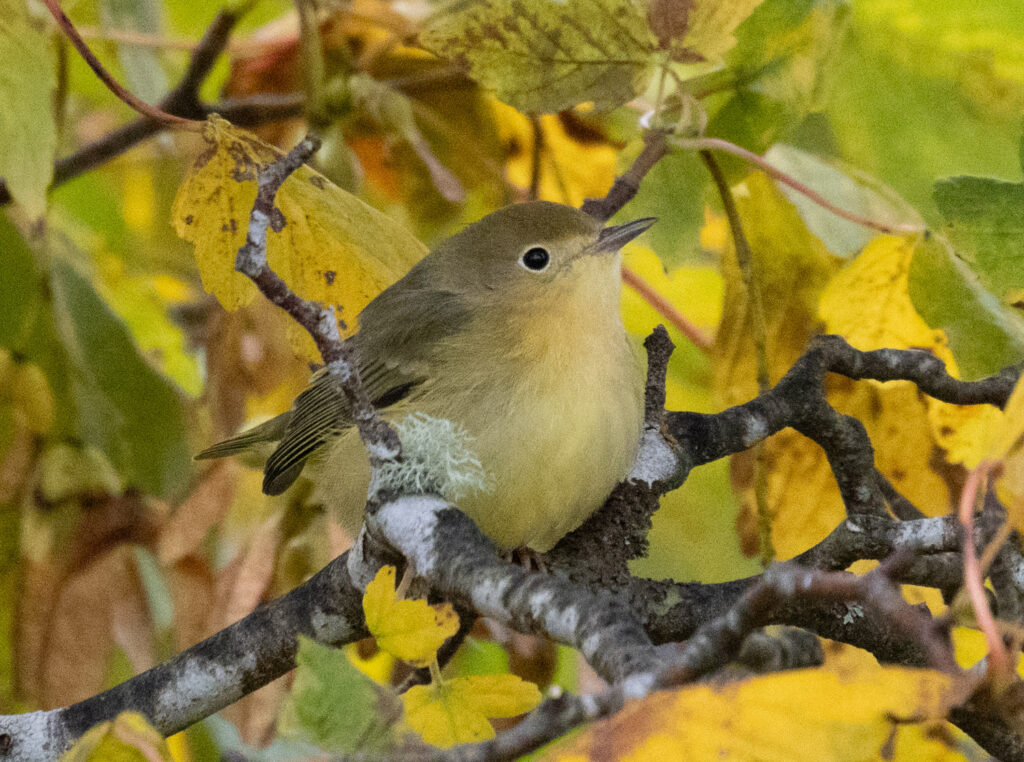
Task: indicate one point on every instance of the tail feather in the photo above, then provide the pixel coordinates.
(270, 431)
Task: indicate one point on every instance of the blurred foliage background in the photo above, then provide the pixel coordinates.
(117, 551)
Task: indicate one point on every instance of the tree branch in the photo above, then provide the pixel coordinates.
(182, 101)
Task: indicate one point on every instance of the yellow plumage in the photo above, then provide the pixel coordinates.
(533, 362)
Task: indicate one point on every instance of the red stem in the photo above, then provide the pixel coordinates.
(666, 310)
(999, 660)
(777, 174)
(112, 84)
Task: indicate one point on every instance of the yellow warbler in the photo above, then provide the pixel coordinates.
(511, 329)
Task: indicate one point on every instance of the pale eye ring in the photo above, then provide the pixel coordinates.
(535, 259)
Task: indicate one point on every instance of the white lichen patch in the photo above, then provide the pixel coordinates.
(38, 735)
(201, 687)
(437, 458)
(656, 461)
(754, 431)
(410, 523)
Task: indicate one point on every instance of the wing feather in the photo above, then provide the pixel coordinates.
(392, 354)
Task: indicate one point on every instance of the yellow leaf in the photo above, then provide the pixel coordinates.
(458, 710)
(791, 267)
(869, 304)
(571, 169)
(333, 248)
(128, 738)
(1006, 436)
(792, 716)
(409, 630)
(693, 289)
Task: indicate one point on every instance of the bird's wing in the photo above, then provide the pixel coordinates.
(393, 357)
(270, 431)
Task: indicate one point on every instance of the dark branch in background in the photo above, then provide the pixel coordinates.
(153, 113)
(626, 186)
(182, 101)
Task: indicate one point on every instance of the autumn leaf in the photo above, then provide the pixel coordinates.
(541, 56)
(791, 267)
(457, 710)
(333, 247)
(791, 716)
(28, 133)
(128, 738)
(697, 29)
(410, 630)
(576, 161)
(869, 304)
(334, 705)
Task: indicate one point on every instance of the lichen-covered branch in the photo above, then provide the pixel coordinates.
(320, 321)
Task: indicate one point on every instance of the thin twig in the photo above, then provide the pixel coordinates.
(625, 187)
(718, 144)
(320, 321)
(745, 260)
(536, 155)
(107, 78)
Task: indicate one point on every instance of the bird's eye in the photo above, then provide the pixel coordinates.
(535, 259)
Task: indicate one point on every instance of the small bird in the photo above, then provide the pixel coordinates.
(510, 329)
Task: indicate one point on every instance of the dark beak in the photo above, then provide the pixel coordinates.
(613, 238)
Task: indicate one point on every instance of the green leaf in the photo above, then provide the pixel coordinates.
(782, 66)
(983, 334)
(849, 190)
(673, 191)
(26, 323)
(542, 56)
(28, 134)
(143, 73)
(125, 408)
(21, 288)
(945, 106)
(335, 706)
(986, 225)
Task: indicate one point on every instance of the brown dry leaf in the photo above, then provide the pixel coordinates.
(100, 607)
(204, 508)
(791, 716)
(242, 584)
(333, 248)
(239, 589)
(255, 715)
(66, 552)
(191, 583)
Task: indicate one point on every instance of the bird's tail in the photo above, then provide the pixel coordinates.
(270, 431)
